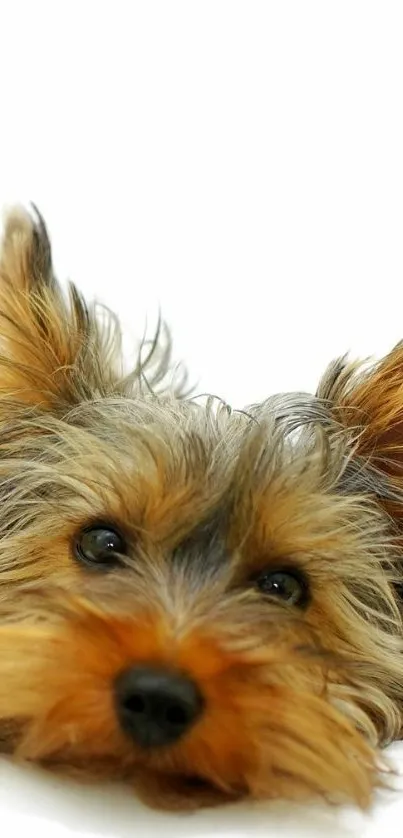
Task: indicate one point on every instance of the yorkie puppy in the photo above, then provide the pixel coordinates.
(200, 601)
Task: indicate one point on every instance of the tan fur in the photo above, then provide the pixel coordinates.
(297, 701)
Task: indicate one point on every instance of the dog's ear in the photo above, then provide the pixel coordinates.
(368, 400)
(55, 350)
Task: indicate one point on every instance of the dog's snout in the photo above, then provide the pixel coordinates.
(156, 706)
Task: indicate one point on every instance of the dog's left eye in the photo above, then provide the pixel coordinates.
(99, 546)
(289, 586)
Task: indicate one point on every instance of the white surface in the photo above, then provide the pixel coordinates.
(41, 805)
(241, 164)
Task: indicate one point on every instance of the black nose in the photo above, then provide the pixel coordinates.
(155, 706)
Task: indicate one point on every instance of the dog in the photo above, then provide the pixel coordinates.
(202, 602)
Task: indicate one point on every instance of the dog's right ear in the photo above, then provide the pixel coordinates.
(55, 351)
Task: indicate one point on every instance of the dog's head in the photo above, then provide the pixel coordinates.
(199, 600)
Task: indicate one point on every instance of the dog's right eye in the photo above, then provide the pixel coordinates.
(99, 545)
(290, 586)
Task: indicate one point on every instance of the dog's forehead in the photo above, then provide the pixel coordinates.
(182, 459)
(190, 441)
(280, 416)
(164, 443)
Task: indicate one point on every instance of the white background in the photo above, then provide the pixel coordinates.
(240, 164)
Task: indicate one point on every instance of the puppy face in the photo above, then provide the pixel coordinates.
(200, 601)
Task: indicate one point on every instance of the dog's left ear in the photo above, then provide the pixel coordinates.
(55, 351)
(368, 400)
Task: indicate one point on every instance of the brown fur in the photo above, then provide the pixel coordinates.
(298, 701)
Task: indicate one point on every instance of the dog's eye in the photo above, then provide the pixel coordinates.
(289, 586)
(99, 546)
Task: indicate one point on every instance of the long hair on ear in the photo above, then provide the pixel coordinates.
(367, 400)
(55, 350)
